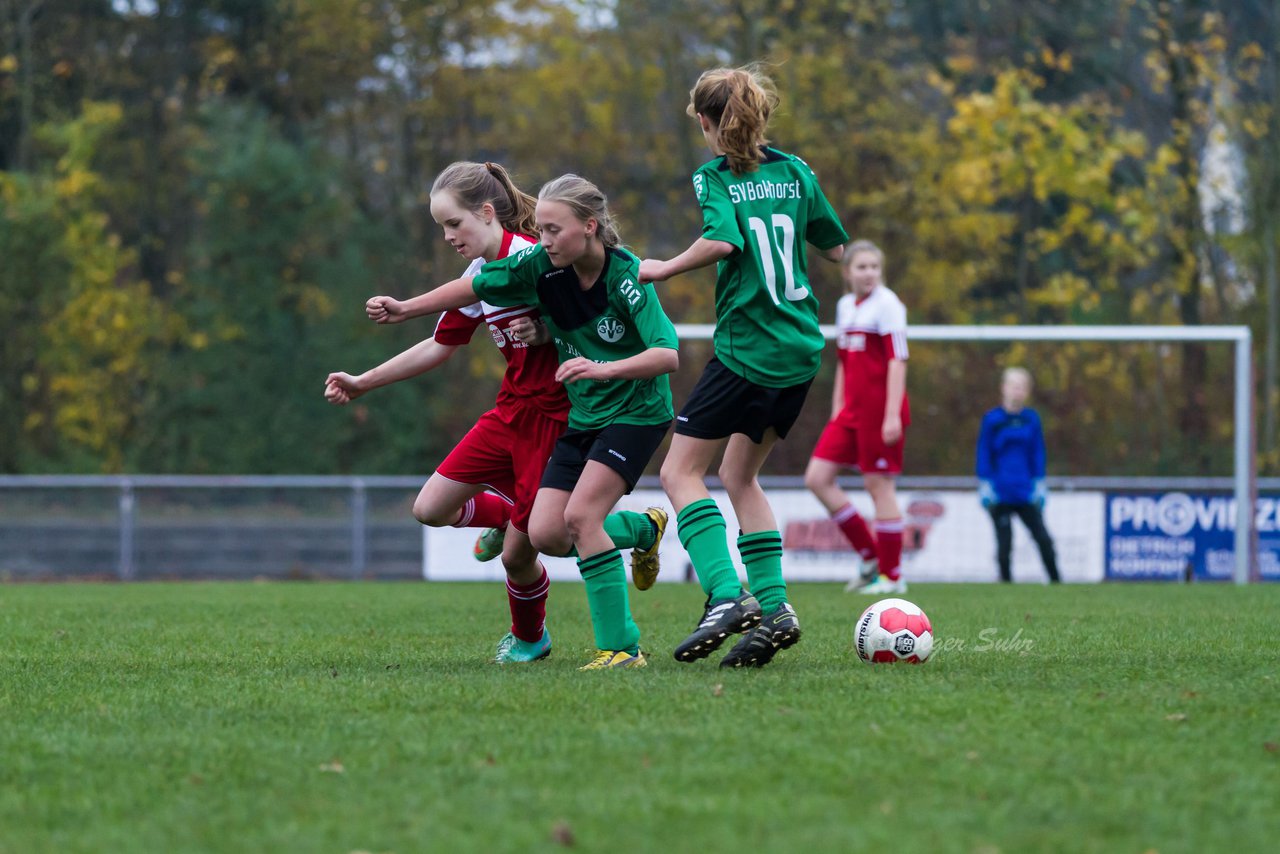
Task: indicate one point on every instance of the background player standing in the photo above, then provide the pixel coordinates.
(1011, 464)
(759, 208)
(869, 417)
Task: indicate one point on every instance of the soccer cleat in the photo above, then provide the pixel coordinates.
(607, 658)
(718, 620)
(644, 562)
(884, 586)
(778, 630)
(489, 544)
(869, 572)
(511, 649)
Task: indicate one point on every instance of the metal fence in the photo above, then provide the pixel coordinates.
(189, 527)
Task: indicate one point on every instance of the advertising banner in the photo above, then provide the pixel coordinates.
(949, 537)
(1173, 536)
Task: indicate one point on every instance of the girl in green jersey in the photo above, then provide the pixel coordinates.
(616, 347)
(759, 207)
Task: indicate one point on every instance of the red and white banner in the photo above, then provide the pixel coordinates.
(949, 537)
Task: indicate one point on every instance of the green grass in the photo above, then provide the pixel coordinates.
(346, 717)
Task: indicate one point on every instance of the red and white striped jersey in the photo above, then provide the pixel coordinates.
(870, 333)
(530, 379)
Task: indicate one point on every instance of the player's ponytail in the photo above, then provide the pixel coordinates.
(739, 102)
(476, 184)
(587, 202)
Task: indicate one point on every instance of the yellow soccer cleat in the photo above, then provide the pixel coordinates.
(607, 658)
(644, 562)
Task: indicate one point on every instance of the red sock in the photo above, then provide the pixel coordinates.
(855, 531)
(528, 607)
(485, 510)
(889, 547)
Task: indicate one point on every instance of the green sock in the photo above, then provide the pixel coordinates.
(607, 599)
(762, 554)
(703, 535)
(629, 530)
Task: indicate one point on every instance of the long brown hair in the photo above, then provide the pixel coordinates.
(475, 184)
(738, 101)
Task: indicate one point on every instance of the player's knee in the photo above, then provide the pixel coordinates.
(432, 515)
(736, 481)
(817, 477)
(548, 540)
(578, 522)
(672, 476)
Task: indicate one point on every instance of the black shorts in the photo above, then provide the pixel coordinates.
(625, 448)
(723, 403)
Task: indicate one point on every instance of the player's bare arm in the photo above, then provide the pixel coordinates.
(702, 253)
(891, 429)
(651, 363)
(455, 294)
(834, 254)
(342, 388)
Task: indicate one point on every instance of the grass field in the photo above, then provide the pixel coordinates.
(365, 717)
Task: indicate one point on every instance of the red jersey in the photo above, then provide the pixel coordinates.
(870, 332)
(530, 379)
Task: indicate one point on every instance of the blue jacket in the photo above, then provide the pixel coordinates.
(1011, 453)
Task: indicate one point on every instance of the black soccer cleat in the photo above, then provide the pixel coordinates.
(779, 630)
(718, 621)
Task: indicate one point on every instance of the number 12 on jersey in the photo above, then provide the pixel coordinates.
(782, 239)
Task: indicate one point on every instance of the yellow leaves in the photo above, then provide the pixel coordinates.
(8, 64)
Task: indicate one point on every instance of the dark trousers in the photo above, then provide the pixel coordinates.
(1002, 515)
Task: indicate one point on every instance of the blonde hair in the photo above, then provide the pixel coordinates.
(861, 246)
(738, 101)
(587, 202)
(1018, 373)
(476, 184)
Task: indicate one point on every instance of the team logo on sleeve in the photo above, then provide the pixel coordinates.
(498, 337)
(700, 187)
(631, 292)
(610, 329)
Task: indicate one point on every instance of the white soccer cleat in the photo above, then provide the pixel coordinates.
(884, 586)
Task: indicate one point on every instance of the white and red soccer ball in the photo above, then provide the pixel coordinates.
(893, 630)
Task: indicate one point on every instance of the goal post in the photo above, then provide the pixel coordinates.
(1243, 474)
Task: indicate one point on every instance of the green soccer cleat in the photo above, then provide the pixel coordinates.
(489, 544)
(511, 649)
(644, 562)
(607, 658)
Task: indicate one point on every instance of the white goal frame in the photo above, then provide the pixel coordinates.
(1244, 473)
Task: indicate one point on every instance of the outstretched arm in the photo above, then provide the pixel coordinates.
(455, 294)
(700, 254)
(341, 388)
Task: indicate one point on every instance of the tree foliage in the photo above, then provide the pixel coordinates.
(196, 198)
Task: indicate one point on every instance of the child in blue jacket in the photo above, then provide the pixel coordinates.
(1011, 471)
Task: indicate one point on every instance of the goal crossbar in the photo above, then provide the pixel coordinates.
(1240, 336)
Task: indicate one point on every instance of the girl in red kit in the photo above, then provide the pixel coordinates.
(869, 417)
(486, 218)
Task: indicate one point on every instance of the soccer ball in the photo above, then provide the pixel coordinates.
(893, 630)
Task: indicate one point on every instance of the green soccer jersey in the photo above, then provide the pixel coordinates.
(612, 320)
(766, 313)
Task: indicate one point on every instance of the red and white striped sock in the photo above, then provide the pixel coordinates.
(889, 547)
(855, 530)
(529, 607)
(485, 510)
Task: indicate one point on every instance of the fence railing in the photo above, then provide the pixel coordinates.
(148, 527)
